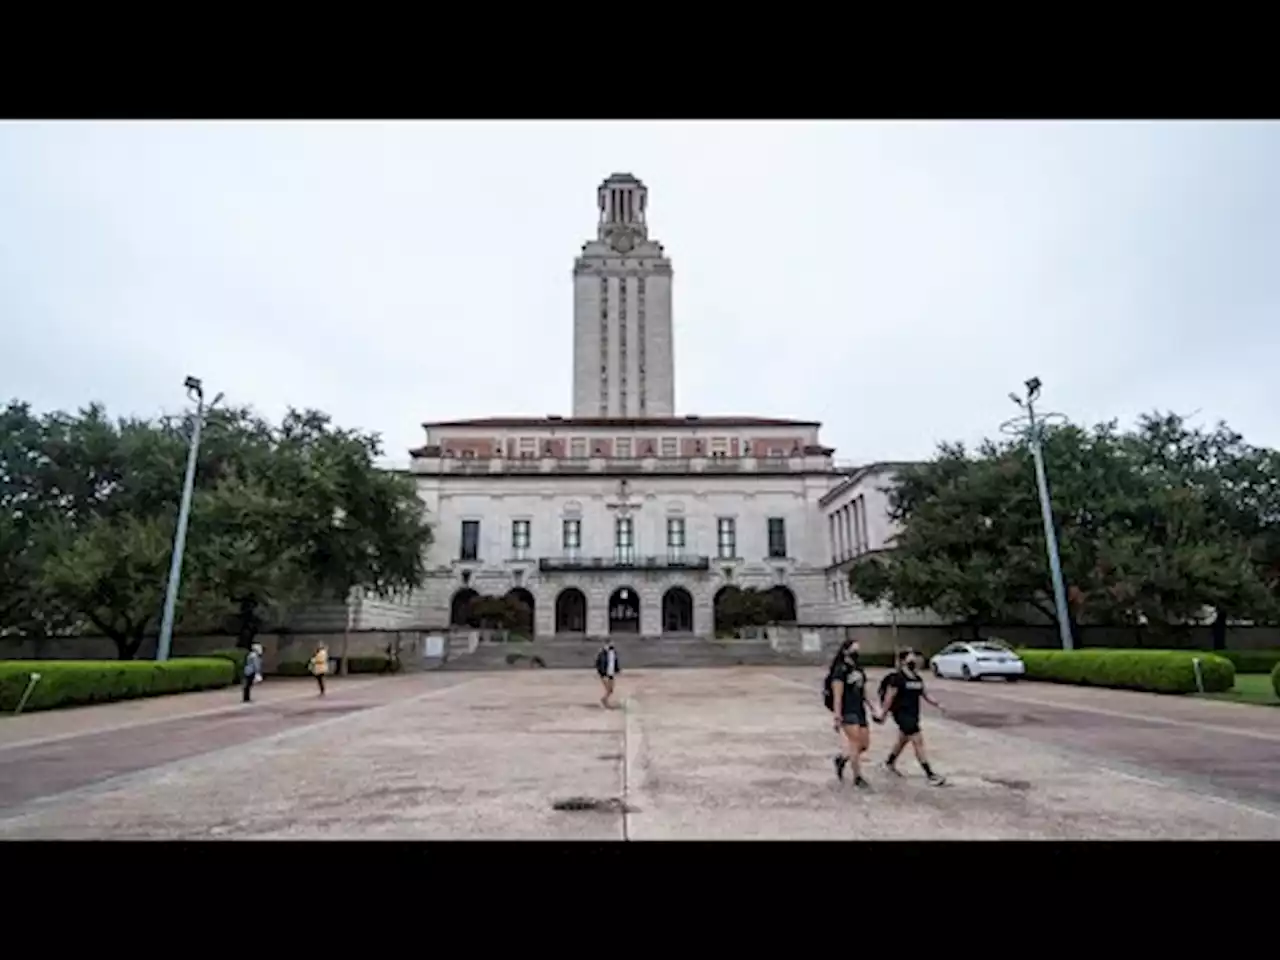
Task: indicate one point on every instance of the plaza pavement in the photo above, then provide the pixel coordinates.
(731, 753)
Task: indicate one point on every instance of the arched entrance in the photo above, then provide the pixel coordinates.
(677, 611)
(571, 611)
(783, 603)
(525, 599)
(624, 611)
(459, 614)
(724, 612)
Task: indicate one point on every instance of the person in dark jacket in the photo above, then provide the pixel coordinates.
(607, 668)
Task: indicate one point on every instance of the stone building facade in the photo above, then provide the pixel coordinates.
(626, 517)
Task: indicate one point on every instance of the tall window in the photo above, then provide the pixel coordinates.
(675, 537)
(670, 447)
(571, 537)
(470, 539)
(777, 537)
(519, 539)
(578, 448)
(719, 446)
(726, 538)
(622, 448)
(624, 545)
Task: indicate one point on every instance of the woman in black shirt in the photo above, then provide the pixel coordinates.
(901, 694)
(849, 709)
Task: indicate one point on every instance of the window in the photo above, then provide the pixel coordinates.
(670, 447)
(571, 536)
(719, 446)
(578, 448)
(777, 537)
(675, 536)
(624, 539)
(726, 538)
(622, 448)
(528, 447)
(520, 539)
(470, 539)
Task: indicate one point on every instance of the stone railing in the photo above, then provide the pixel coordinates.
(484, 466)
(571, 564)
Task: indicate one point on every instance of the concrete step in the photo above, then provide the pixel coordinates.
(632, 653)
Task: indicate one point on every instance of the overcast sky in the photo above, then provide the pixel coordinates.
(893, 280)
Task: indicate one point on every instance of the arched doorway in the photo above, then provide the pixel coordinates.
(784, 604)
(624, 611)
(723, 615)
(571, 611)
(523, 597)
(459, 613)
(677, 611)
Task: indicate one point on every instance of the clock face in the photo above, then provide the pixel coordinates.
(623, 242)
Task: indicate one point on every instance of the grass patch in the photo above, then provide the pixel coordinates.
(1252, 688)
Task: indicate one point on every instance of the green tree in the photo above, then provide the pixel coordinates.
(1137, 539)
(737, 608)
(113, 572)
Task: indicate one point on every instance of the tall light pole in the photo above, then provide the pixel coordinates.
(1032, 428)
(195, 390)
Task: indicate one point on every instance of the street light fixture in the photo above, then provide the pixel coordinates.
(195, 390)
(1032, 428)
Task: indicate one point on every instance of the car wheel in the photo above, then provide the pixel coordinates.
(1012, 678)
(966, 672)
(936, 671)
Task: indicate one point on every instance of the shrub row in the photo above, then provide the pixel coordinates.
(65, 683)
(1155, 671)
(237, 655)
(1252, 661)
(1275, 679)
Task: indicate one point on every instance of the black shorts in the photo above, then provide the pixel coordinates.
(858, 719)
(908, 725)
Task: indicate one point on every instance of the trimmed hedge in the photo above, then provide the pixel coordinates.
(1155, 671)
(1275, 679)
(237, 655)
(1252, 661)
(66, 683)
(380, 664)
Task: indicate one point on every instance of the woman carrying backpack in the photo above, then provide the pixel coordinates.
(847, 683)
(320, 664)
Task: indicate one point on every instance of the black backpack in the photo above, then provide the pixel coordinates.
(828, 695)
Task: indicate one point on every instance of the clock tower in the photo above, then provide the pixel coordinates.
(623, 363)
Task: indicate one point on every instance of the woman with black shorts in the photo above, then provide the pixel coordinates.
(902, 691)
(849, 709)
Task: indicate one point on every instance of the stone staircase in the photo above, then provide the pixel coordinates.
(634, 653)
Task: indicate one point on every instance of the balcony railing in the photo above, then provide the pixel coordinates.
(624, 562)
(796, 463)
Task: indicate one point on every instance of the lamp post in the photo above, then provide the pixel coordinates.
(195, 390)
(1032, 427)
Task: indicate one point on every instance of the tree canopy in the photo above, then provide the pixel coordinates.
(280, 514)
(1154, 525)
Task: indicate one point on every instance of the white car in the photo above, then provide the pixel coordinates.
(973, 661)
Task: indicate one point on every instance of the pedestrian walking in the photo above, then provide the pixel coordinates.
(903, 689)
(319, 664)
(607, 668)
(252, 670)
(846, 697)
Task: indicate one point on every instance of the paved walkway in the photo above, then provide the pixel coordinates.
(697, 754)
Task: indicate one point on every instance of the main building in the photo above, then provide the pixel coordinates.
(626, 517)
